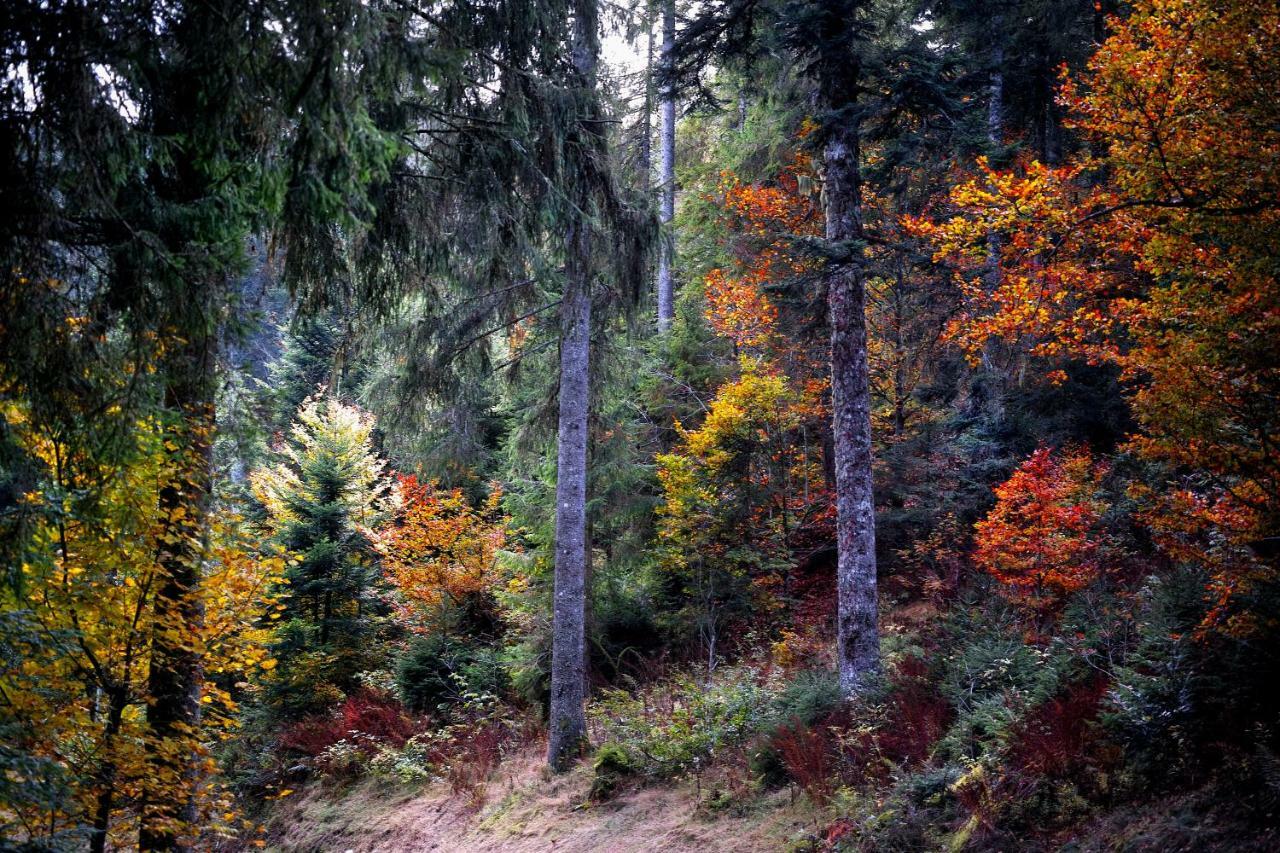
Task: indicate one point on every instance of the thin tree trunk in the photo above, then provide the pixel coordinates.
(857, 641)
(567, 723)
(106, 795)
(995, 87)
(646, 140)
(588, 600)
(667, 167)
(176, 672)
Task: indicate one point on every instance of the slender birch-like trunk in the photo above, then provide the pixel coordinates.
(667, 169)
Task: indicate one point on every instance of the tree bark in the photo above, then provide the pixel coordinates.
(646, 139)
(995, 87)
(567, 725)
(667, 169)
(567, 720)
(175, 676)
(106, 794)
(857, 640)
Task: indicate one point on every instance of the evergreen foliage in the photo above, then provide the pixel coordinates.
(322, 490)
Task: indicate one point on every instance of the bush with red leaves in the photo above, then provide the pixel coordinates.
(1053, 740)
(478, 751)
(809, 756)
(917, 714)
(379, 718)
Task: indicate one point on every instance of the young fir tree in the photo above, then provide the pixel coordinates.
(325, 485)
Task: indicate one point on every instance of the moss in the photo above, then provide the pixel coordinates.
(612, 764)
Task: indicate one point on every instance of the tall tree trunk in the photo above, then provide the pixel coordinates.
(858, 639)
(995, 86)
(175, 676)
(667, 167)
(646, 125)
(567, 725)
(567, 721)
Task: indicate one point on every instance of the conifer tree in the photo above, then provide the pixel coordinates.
(324, 487)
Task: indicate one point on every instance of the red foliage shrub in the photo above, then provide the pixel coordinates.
(379, 718)
(477, 754)
(837, 832)
(808, 754)
(1054, 738)
(917, 714)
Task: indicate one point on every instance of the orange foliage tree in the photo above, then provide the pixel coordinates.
(1043, 539)
(440, 551)
(763, 221)
(1157, 251)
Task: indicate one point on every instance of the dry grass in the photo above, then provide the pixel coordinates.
(528, 811)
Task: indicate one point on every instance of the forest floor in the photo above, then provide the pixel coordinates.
(521, 808)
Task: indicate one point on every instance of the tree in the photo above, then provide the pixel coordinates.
(567, 720)
(832, 42)
(1043, 539)
(1156, 252)
(735, 492)
(324, 486)
(441, 553)
(149, 145)
(667, 165)
(84, 619)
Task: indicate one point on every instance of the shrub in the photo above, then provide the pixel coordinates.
(1053, 738)
(438, 672)
(408, 764)
(810, 696)
(917, 714)
(989, 677)
(612, 764)
(674, 728)
(379, 719)
(1151, 706)
(477, 750)
(809, 756)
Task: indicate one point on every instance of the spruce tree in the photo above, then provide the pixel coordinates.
(323, 486)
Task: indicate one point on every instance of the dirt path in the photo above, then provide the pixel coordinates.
(525, 811)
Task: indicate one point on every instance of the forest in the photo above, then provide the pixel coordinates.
(629, 425)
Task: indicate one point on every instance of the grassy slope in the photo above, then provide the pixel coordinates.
(523, 810)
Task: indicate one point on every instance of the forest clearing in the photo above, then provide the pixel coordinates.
(681, 425)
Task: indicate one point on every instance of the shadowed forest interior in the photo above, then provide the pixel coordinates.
(683, 425)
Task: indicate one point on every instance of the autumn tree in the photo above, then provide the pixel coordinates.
(440, 552)
(1044, 538)
(736, 490)
(84, 616)
(853, 58)
(1155, 253)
